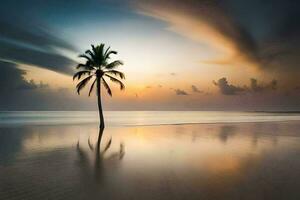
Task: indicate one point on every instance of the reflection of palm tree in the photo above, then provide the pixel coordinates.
(227, 132)
(100, 159)
(97, 67)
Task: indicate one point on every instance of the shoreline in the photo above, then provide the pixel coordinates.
(8, 125)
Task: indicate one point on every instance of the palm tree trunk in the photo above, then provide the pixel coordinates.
(101, 127)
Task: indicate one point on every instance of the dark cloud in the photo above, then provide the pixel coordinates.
(12, 78)
(180, 92)
(33, 85)
(28, 42)
(195, 89)
(13, 85)
(48, 60)
(19, 94)
(226, 88)
(254, 86)
(32, 34)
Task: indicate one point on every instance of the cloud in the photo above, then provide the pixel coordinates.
(51, 61)
(33, 34)
(195, 89)
(32, 85)
(28, 43)
(207, 23)
(255, 87)
(12, 78)
(180, 92)
(268, 40)
(226, 88)
(19, 94)
(229, 89)
(173, 74)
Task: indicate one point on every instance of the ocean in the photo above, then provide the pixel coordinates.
(137, 118)
(151, 155)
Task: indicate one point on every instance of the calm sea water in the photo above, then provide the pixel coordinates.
(52, 155)
(131, 118)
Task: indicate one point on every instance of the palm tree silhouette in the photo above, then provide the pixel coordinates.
(96, 67)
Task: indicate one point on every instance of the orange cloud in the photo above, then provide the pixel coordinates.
(220, 36)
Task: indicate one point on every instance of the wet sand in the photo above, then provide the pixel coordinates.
(252, 161)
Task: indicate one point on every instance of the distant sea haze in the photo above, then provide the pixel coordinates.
(137, 118)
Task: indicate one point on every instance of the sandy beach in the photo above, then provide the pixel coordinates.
(197, 161)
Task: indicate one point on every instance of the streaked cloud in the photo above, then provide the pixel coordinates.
(33, 35)
(267, 40)
(26, 42)
(206, 23)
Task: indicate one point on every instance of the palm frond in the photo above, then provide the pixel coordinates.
(89, 59)
(101, 50)
(113, 79)
(92, 87)
(108, 54)
(92, 55)
(106, 51)
(81, 73)
(94, 49)
(83, 83)
(116, 73)
(85, 66)
(86, 57)
(107, 87)
(114, 64)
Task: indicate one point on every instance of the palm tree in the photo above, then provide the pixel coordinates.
(97, 67)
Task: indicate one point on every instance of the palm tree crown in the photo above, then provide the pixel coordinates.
(97, 66)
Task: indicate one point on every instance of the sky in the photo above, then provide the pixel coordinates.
(178, 55)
